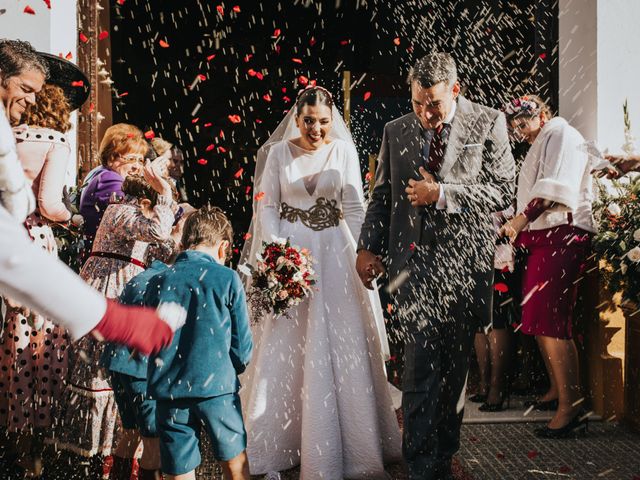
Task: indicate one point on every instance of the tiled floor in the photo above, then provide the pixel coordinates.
(508, 450)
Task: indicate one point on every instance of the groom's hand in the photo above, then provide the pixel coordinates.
(369, 267)
(423, 192)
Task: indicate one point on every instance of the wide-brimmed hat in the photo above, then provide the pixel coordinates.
(69, 78)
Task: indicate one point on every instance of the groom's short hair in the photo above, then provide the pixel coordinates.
(432, 69)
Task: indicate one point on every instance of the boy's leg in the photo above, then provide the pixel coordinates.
(222, 418)
(130, 439)
(150, 459)
(237, 468)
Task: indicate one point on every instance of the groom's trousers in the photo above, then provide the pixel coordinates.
(436, 362)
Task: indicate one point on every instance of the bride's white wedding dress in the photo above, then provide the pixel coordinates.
(316, 393)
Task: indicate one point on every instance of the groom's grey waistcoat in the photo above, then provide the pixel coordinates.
(477, 174)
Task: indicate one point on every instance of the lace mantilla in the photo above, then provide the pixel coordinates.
(324, 214)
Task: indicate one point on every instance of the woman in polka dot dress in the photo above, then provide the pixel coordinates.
(33, 363)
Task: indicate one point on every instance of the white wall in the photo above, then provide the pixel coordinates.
(49, 30)
(618, 69)
(600, 67)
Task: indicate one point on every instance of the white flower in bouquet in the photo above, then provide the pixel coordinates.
(636, 235)
(614, 209)
(634, 254)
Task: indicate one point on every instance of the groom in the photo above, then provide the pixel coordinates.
(441, 171)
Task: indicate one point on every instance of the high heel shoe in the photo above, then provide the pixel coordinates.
(496, 407)
(546, 406)
(478, 398)
(576, 426)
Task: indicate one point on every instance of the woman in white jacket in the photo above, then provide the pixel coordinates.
(554, 224)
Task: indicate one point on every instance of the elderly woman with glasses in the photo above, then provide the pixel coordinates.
(121, 153)
(554, 225)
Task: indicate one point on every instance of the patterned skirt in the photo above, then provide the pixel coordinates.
(33, 357)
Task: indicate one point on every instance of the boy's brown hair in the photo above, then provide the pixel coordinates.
(207, 225)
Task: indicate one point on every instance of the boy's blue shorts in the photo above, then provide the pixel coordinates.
(179, 422)
(137, 410)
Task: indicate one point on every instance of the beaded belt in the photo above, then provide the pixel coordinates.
(324, 214)
(117, 256)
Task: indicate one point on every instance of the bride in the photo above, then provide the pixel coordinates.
(316, 393)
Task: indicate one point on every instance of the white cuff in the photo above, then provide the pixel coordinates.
(441, 204)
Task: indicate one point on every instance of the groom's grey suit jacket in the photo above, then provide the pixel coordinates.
(477, 175)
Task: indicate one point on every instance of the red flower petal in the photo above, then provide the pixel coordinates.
(543, 55)
(296, 60)
(234, 118)
(220, 9)
(303, 80)
(210, 147)
(48, 4)
(201, 77)
(266, 97)
(149, 134)
(29, 10)
(211, 57)
(83, 38)
(501, 287)
(276, 32)
(195, 120)
(236, 8)
(163, 44)
(78, 83)
(367, 96)
(68, 56)
(238, 174)
(312, 41)
(247, 236)
(396, 40)
(202, 161)
(532, 454)
(259, 196)
(259, 75)
(103, 34)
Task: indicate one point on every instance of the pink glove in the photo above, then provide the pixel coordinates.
(137, 327)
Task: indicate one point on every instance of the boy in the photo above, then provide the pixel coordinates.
(195, 380)
(128, 377)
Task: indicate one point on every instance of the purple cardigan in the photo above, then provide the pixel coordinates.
(101, 185)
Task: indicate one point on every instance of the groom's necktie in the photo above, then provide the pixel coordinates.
(434, 150)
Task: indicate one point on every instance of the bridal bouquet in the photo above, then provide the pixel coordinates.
(281, 279)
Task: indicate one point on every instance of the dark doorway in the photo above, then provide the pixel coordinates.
(217, 77)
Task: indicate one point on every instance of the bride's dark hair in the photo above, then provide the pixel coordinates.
(313, 96)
